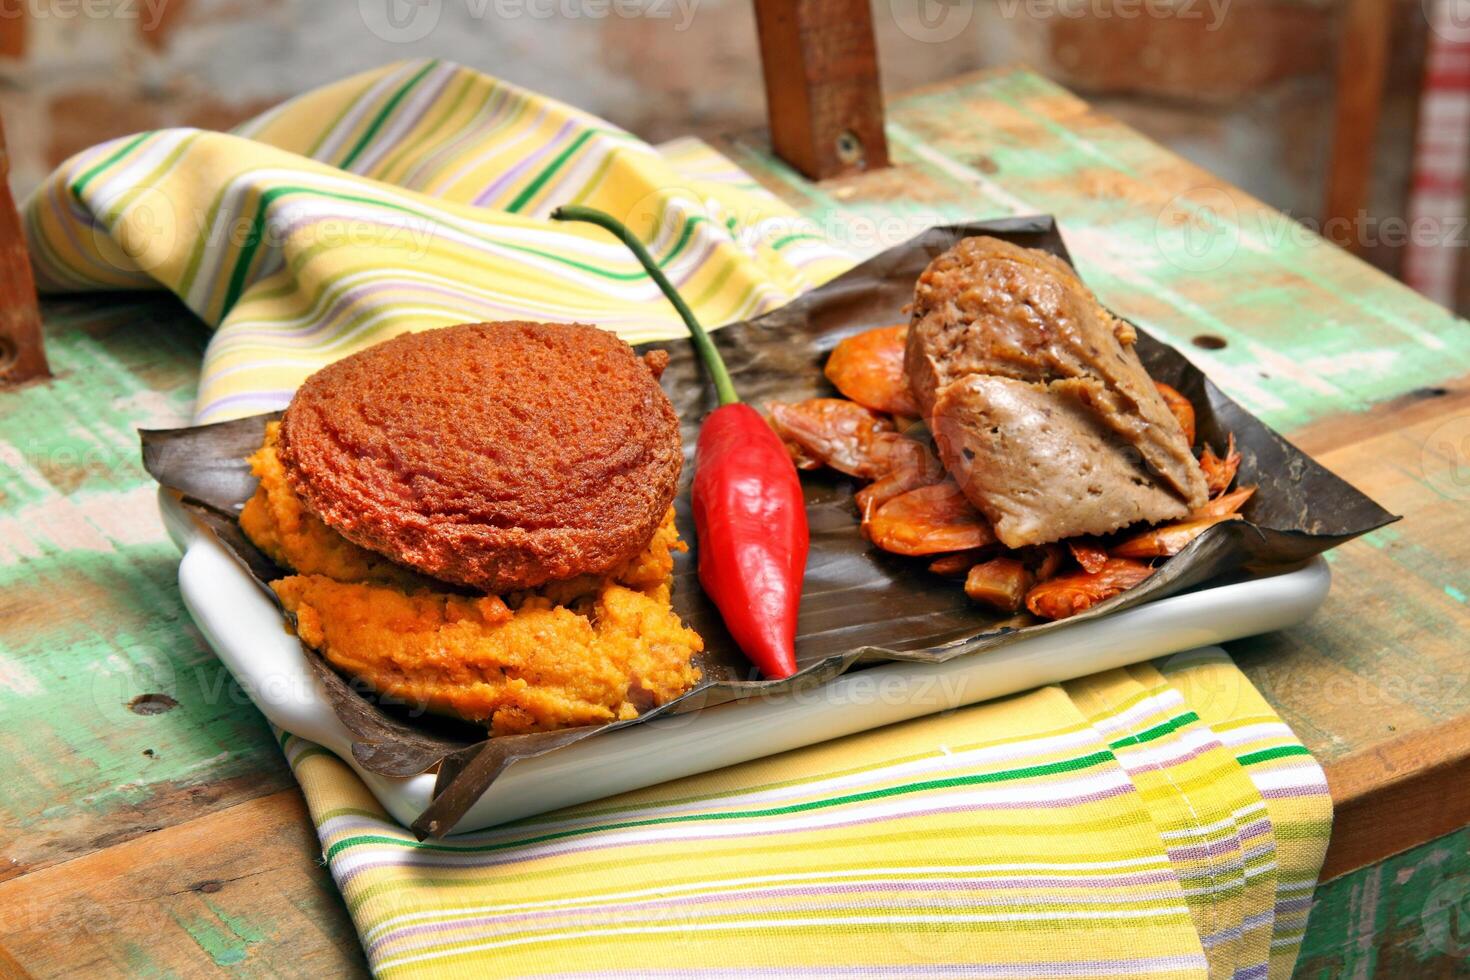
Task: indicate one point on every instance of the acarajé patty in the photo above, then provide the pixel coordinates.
(496, 456)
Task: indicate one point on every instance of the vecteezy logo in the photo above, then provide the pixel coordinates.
(1446, 916)
(400, 21)
(1445, 459)
(1450, 19)
(1198, 231)
(140, 237)
(932, 21)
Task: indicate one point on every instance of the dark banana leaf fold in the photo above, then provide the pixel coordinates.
(860, 605)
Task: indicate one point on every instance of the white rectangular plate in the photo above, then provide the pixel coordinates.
(244, 628)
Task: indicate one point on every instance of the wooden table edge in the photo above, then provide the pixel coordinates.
(1397, 796)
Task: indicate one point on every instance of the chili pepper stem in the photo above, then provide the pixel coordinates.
(746, 499)
(708, 353)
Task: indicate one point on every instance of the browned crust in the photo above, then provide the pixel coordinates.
(497, 456)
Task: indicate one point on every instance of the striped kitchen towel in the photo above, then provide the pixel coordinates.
(1153, 821)
(410, 197)
(1136, 823)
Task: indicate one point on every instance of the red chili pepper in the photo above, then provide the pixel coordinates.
(751, 520)
(748, 507)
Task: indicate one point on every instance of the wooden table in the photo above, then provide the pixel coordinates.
(149, 823)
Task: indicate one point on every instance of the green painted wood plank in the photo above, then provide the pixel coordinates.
(90, 614)
(1406, 917)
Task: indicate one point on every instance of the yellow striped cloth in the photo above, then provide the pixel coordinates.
(1154, 821)
(410, 197)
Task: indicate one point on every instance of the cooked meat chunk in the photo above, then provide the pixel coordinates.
(987, 307)
(1037, 400)
(1039, 465)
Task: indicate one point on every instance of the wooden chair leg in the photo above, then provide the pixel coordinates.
(823, 99)
(1362, 61)
(22, 355)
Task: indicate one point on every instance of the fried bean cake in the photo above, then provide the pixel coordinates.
(497, 456)
(438, 597)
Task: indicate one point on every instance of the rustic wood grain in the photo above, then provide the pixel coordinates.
(823, 99)
(1367, 376)
(1447, 400)
(1376, 683)
(22, 353)
(1385, 658)
(90, 616)
(1411, 790)
(233, 889)
(10, 969)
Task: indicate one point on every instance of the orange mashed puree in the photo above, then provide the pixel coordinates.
(585, 651)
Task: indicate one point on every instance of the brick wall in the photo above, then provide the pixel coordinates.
(1241, 86)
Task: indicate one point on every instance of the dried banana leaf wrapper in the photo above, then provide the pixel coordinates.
(860, 605)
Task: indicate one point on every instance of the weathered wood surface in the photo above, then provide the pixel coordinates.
(1362, 373)
(225, 889)
(1406, 917)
